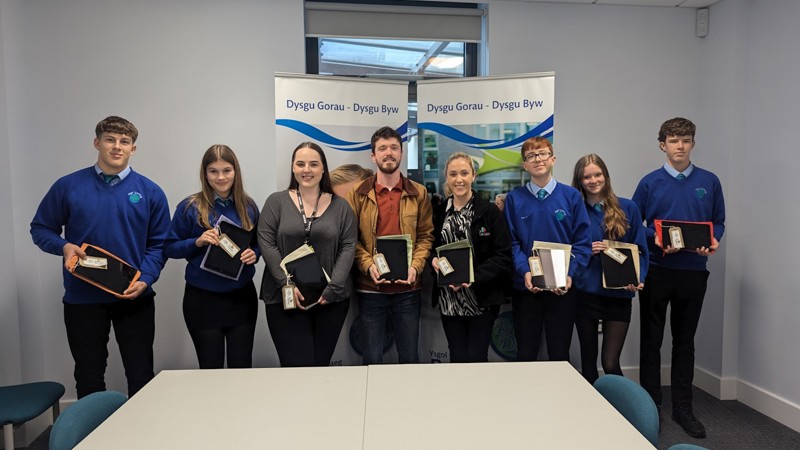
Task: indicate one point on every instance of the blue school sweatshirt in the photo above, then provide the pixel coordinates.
(129, 219)
(560, 217)
(591, 279)
(180, 244)
(698, 198)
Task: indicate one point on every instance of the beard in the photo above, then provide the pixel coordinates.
(388, 170)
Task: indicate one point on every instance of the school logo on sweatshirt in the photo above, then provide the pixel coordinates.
(700, 192)
(134, 197)
(560, 214)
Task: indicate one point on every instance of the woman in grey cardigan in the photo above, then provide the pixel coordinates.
(307, 213)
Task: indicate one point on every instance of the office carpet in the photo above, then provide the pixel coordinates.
(730, 425)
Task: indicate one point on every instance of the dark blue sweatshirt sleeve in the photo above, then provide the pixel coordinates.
(640, 199)
(581, 238)
(520, 256)
(157, 229)
(49, 220)
(181, 237)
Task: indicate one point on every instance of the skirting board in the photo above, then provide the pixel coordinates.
(727, 388)
(769, 404)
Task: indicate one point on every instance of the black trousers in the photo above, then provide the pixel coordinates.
(88, 329)
(468, 337)
(222, 325)
(234, 341)
(306, 338)
(683, 291)
(544, 310)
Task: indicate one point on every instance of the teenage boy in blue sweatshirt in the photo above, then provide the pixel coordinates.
(544, 210)
(110, 206)
(677, 191)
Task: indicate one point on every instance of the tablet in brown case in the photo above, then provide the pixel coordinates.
(115, 279)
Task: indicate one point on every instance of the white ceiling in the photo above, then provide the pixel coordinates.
(682, 3)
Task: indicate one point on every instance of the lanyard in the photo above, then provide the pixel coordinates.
(307, 221)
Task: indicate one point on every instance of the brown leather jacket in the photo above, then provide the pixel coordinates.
(415, 220)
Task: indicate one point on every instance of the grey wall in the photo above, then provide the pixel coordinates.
(193, 73)
(189, 74)
(765, 157)
(9, 309)
(620, 72)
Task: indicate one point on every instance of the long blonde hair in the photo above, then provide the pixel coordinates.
(204, 200)
(616, 222)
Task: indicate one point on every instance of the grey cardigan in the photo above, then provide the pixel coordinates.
(333, 236)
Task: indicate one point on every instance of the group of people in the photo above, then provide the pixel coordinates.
(340, 214)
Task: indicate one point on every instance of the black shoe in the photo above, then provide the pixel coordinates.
(686, 419)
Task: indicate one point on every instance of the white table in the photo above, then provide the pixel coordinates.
(544, 405)
(383, 407)
(308, 408)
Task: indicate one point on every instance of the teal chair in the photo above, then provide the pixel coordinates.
(686, 447)
(23, 402)
(633, 402)
(80, 419)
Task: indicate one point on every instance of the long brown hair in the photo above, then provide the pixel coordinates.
(204, 200)
(616, 222)
(325, 180)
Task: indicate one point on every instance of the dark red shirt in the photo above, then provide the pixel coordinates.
(388, 208)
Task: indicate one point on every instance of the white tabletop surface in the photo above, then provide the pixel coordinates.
(307, 408)
(419, 406)
(490, 406)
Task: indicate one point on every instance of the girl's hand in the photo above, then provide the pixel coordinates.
(248, 256)
(209, 237)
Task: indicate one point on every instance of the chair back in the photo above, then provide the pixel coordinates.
(686, 447)
(633, 402)
(80, 419)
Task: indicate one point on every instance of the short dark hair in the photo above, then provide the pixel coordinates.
(114, 124)
(386, 133)
(676, 127)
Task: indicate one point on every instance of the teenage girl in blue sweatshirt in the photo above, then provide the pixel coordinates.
(220, 312)
(544, 210)
(617, 219)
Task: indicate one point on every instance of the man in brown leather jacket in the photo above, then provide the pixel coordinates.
(390, 204)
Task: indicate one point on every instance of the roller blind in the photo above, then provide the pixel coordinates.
(393, 22)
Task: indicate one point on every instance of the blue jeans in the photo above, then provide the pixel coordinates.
(403, 308)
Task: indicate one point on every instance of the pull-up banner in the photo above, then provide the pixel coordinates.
(340, 114)
(487, 118)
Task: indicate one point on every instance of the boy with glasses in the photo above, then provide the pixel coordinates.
(544, 210)
(684, 192)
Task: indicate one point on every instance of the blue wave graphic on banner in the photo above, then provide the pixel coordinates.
(323, 138)
(544, 129)
(454, 134)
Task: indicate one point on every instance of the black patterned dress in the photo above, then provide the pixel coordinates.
(456, 228)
